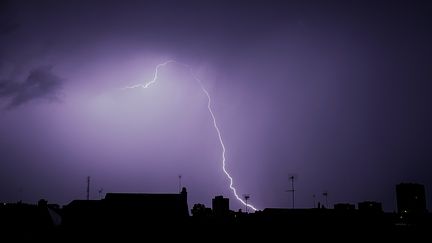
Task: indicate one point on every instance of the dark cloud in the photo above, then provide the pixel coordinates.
(7, 28)
(41, 83)
(8, 23)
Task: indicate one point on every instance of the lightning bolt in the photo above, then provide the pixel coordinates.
(145, 85)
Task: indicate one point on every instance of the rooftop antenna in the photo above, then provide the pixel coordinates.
(100, 193)
(88, 187)
(292, 177)
(325, 194)
(180, 184)
(246, 197)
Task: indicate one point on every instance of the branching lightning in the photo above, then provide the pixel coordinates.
(145, 85)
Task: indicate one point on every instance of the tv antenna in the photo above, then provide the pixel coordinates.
(88, 187)
(325, 194)
(292, 177)
(179, 183)
(100, 193)
(246, 197)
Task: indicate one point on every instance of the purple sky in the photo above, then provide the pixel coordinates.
(337, 93)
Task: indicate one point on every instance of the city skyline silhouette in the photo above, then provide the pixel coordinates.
(129, 214)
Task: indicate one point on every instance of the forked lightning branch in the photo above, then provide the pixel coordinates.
(147, 84)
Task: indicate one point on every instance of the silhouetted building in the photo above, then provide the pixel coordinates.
(27, 216)
(344, 207)
(123, 209)
(150, 205)
(411, 198)
(370, 207)
(220, 205)
(201, 211)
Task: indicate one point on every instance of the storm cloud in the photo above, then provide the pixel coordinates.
(41, 83)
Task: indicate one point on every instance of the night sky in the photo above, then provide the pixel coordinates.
(337, 93)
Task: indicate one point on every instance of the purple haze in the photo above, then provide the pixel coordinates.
(337, 93)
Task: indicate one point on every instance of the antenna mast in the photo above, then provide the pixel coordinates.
(88, 187)
(246, 197)
(292, 190)
(100, 193)
(180, 185)
(325, 194)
